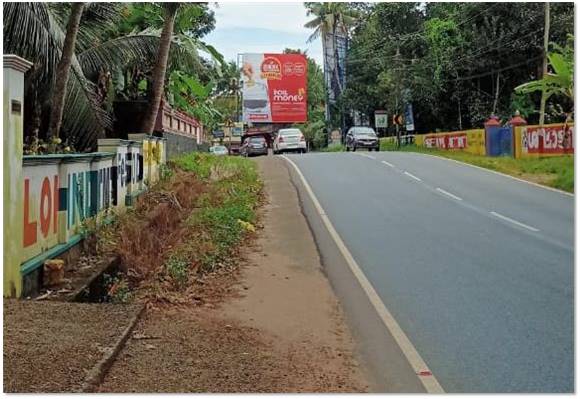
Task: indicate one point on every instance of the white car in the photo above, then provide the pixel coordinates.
(290, 139)
(218, 150)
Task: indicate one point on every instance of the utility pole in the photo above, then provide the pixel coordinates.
(398, 94)
(545, 61)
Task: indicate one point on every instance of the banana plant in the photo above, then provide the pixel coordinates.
(560, 81)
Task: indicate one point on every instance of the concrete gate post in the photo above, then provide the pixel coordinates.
(14, 69)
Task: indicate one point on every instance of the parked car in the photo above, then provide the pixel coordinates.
(290, 139)
(254, 146)
(218, 150)
(362, 137)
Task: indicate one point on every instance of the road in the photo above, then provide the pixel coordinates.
(476, 268)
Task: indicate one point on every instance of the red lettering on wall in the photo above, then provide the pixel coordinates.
(45, 214)
(29, 227)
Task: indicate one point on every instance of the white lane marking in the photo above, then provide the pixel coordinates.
(499, 173)
(525, 226)
(388, 164)
(412, 176)
(367, 156)
(447, 193)
(415, 360)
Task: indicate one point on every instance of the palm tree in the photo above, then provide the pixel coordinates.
(36, 32)
(185, 13)
(63, 68)
(331, 19)
(160, 67)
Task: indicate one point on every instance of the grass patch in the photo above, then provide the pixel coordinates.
(557, 172)
(187, 226)
(225, 212)
(336, 147)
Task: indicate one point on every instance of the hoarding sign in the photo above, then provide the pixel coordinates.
(274, 88)
(381, 119)
(409, 122)
(218, 133)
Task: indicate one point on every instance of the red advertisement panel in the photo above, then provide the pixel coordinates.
(548, 140)
(454, 141)
(275, 88)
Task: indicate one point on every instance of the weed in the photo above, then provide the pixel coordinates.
(118, 290)
(337, 147)
(177, 267)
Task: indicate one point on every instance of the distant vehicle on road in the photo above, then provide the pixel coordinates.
(254, 146)
(290, 139)
(218, 150)
(362, 137)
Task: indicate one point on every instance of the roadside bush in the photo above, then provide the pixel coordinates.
(337, 147)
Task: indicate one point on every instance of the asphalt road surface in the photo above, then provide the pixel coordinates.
(476, 268)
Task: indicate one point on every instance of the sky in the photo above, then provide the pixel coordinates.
(261, 28)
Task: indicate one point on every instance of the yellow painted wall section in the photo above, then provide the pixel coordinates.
(535, 141)
(13, 183)
(472, 141)
(420, 140)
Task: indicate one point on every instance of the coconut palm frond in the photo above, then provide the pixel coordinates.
(98, 18)
(33, 31)
(29, 33)
(313, 23)
(84, 120)
(315, 35)
(118, 53)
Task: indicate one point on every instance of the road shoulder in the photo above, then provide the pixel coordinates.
(280, 330)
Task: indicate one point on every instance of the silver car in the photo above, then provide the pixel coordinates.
(290, 139)
(218, 150)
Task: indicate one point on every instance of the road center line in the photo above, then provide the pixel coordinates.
(388, 164)
(525, 226)
(447, 193)
(413, 357)
(367, 156)
(412, 176)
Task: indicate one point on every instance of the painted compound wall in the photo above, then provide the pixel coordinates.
(60, 191)
(549, 140)
(472, 141)
(47, 197)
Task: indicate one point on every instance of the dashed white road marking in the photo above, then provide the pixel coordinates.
(447, 193)
(367, 156)
(525, 226)
(413, 357)
(499, 173)
(388, 164)
(412, 176)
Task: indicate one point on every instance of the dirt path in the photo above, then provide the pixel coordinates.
(52, 346)
(283, 333)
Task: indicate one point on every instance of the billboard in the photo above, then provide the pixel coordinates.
(274, 88)
(409, 122)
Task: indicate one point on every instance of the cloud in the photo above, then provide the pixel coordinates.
(284, 17)
(262, 28)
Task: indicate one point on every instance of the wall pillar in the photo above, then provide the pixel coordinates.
(515, 122)
(14, 69)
